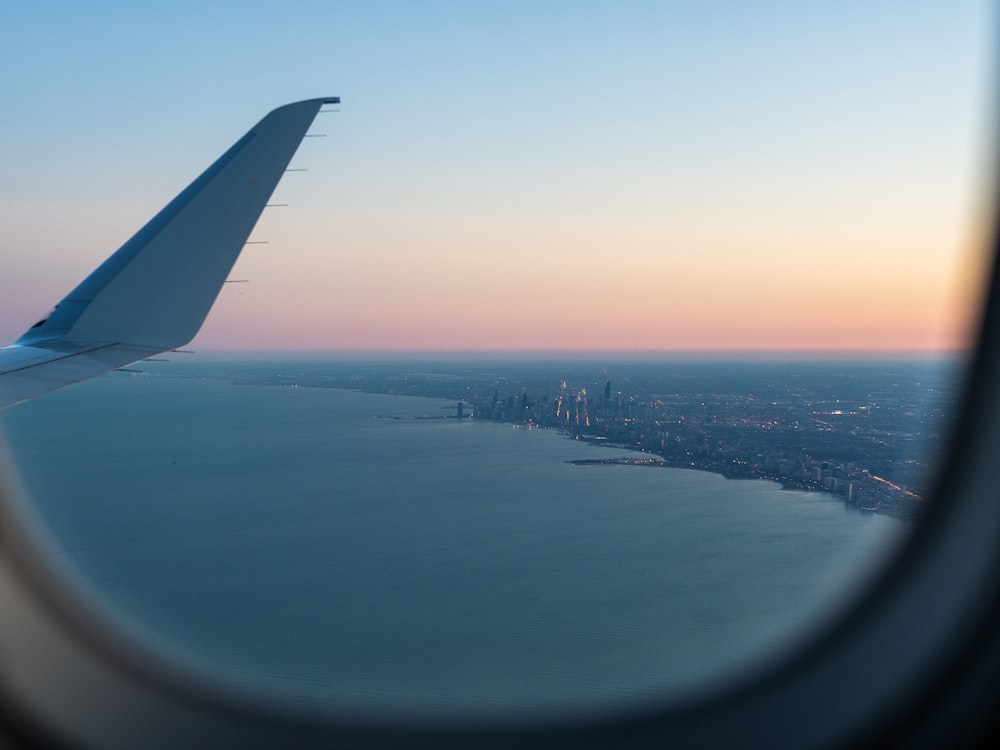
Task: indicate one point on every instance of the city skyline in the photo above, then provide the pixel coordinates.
(657, 178)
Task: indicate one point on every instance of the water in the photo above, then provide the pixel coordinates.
(296, 541)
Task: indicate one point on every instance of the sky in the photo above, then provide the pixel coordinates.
(644, 176)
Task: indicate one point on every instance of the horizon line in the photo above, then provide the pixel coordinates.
(881, 354)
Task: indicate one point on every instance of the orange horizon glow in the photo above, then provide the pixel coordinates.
(741, 311)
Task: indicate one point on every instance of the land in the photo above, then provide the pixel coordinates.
(871, 433)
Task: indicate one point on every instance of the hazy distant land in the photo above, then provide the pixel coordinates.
(868, 431)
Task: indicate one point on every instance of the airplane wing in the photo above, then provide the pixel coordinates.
(153, 294)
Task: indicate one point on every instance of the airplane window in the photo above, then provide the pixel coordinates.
(553, 414)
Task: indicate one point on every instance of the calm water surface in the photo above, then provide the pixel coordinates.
(304, 541)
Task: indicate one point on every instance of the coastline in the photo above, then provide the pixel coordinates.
(657, 461)
(856, 486)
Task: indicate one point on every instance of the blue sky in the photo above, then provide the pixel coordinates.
(515, 175)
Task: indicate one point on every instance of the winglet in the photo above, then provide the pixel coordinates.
(156, 290)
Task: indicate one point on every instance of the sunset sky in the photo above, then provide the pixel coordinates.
(632, 176)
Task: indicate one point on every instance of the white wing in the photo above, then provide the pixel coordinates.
(153, 294)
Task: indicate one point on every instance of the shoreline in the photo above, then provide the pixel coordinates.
(651, 458)
(657, 461)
